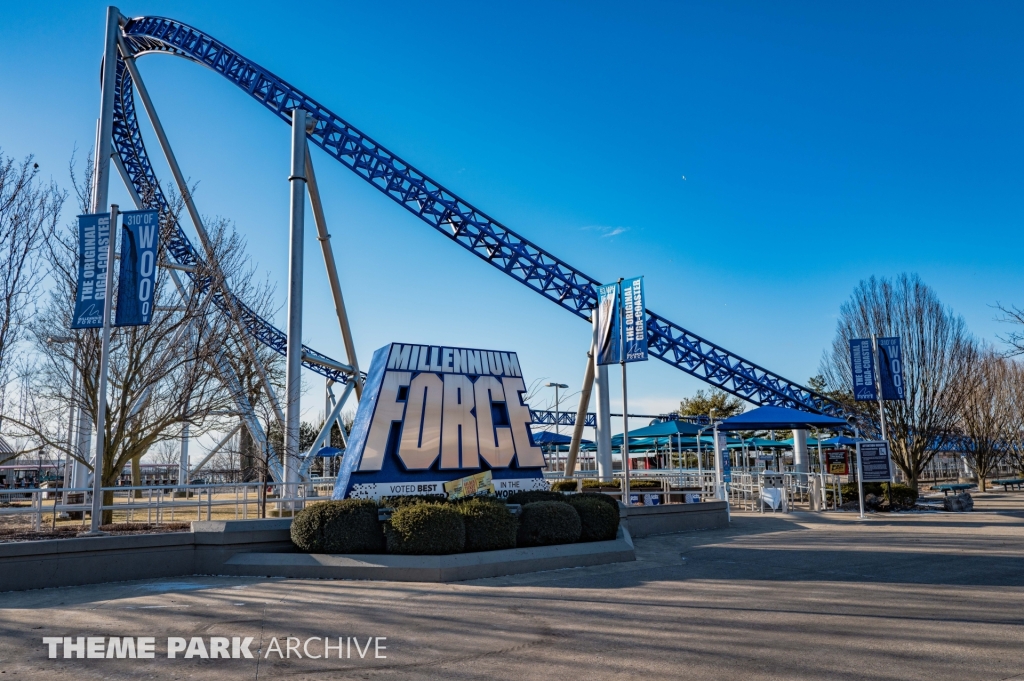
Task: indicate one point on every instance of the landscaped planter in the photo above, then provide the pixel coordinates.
(448, 568)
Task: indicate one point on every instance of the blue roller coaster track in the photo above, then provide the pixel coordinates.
(428, 200)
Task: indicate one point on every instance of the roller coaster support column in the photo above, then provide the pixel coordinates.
(101, 164)
(293, 361)
(581, 414)
(604, 416)
(98, 199)
(324, 237)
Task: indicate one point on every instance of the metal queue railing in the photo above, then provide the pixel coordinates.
(158, 504)
(744, 492)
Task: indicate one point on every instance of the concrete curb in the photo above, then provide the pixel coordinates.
(645, 521)
(264, 547)
(451, 568)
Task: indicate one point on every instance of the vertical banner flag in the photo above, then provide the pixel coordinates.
(93, 236)
(634, 319)
(890, 363)
(608, 324)
(140, 232)
(862, 364)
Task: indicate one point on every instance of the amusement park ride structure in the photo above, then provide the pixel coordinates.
(119, 139)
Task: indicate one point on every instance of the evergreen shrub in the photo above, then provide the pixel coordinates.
(347, 526)
(543, 523)
(489, 525)
(426, 529)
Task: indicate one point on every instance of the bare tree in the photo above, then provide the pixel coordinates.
(164, 453)
(990, 414)
(29, 211)
(162, 376)
(937, 351)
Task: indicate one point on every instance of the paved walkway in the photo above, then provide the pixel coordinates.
(912, 596)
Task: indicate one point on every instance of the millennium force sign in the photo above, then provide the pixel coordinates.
(429, 415)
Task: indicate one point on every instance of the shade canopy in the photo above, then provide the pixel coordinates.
(841, 440)
(546, 437)
(666, 428)
(769, 418)
(762, 443)
(811, 442)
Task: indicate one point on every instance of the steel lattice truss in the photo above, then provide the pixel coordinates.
(471, 228)
(543, 417)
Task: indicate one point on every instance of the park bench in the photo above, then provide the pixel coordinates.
(1009, 482)
(956, 488)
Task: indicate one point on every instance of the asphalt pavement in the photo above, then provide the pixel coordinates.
(799, 596)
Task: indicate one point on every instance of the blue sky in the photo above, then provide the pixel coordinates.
(820, 143)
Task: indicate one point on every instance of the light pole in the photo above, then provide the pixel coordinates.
(556, 386)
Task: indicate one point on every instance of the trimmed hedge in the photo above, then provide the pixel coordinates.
(348, 526)
(601, 484)
(599, 521)
(563, 486)
(410, 500)
(534, 495)
(635, 485)
(489, 525)
(426, 529)
(599, 496)
(543, 523)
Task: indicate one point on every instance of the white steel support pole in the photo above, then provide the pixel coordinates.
(821, 474)
(625, 405)
(183, 471)
(69, 461)
(700, 459)
(293, 359)
(101, 391)
(718, 463)
(800, 463)
(83, 445)
(604, 416)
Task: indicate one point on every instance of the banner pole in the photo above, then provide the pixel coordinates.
(625, 407)
(878, 385)
(881, 403)
(860, 473)
(101, 392)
